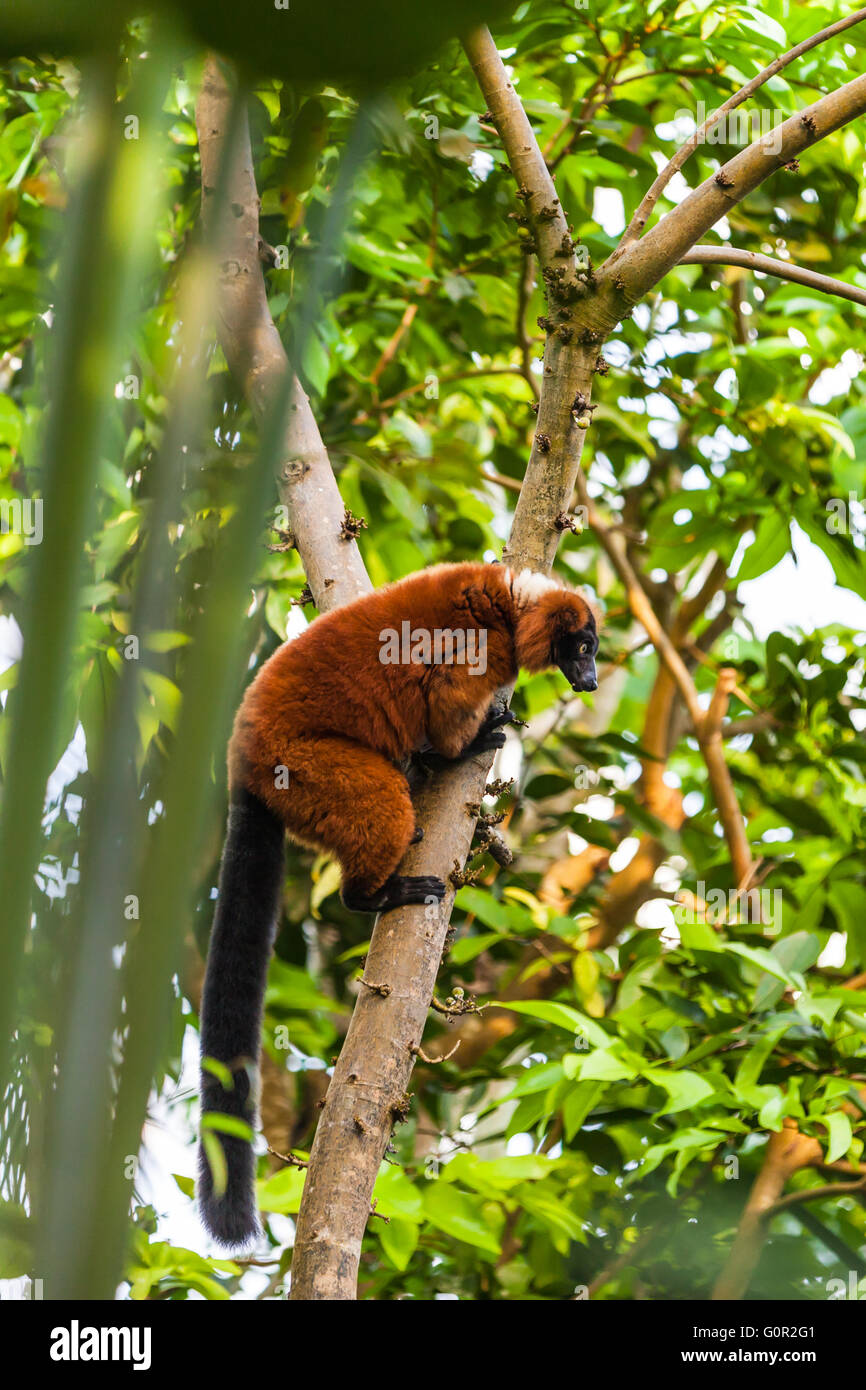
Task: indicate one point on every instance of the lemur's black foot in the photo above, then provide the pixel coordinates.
(490, 736)
(418, 836)
(485, 741)
(398, 891)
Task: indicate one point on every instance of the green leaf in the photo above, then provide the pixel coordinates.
(561, 1016)
(226, 1124)
(839, 1132)
(281, 1192)
(216, 1160)
(397, 1195)
(461, 1216)
(399, 1240)
(771, 543)
(685, 1089)
(578, 1103)
(165, 697)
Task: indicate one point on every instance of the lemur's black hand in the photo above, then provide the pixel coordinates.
(490, 736)
(488, 739)
(495, 718)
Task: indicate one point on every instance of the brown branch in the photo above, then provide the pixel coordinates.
(291, 1160)
(525, 286)
(754, 725)
(638, 265)
(568, 364)
(787, 1151)
(408, 391)
(692, 608)
(367, 1094)
(622, 1261)
(815, 1194)
(648, 202)
(707, 727)
(396, 338)
(709, 733)
(612, 543)
(257, 359)
(511, 484)
(768, 265)
(411, 310)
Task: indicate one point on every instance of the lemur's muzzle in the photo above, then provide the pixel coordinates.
(580, 673)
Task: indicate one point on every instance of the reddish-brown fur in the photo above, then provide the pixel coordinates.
(327, 710)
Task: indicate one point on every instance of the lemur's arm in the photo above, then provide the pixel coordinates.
(460, 720)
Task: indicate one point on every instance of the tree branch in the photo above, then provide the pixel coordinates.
(815, 1194)
(787, 1151)
(709, 735)
(707, 726)
(648, 202)
(768, 265)
(641, 608)
(638, 265)
(367, 1094)
(258, 362)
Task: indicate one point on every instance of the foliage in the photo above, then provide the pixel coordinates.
(616, 1123)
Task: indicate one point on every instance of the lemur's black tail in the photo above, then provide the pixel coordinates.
(231, 1013)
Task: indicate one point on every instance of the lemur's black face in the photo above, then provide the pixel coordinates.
(574, 654)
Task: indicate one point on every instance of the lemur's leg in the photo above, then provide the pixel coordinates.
(342, 796)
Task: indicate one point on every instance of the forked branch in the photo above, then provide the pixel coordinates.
(648, 202)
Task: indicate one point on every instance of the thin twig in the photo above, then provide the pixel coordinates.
(768, 265)
(648, 202)
(815, 1194)
(290, 1159)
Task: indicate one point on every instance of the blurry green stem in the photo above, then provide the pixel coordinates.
(83, 361)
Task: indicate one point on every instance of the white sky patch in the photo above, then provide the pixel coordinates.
(11, 647)
(661, 408)
(481, 164)
(519, 1144)
(657, 914)
(617, 352)
(836, 381)
(679, 129)
(833, 955)
(624, 853)
(73, 762)
(608, 210)
(694, 479)
(802, 595)
(671, 344)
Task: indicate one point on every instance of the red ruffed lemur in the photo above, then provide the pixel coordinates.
(316, 751)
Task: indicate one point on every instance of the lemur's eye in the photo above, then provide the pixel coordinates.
(583, 648)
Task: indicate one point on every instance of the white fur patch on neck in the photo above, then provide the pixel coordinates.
(528, 586)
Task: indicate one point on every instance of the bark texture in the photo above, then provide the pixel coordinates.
(368, 1090)
(257, 359)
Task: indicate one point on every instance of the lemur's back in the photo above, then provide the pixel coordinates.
(349, 673)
